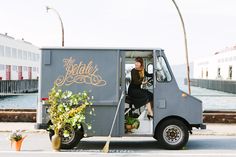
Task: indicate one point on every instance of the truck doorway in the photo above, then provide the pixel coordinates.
(136, 119)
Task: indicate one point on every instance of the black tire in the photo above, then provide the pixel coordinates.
(72, 141)
(172, 134)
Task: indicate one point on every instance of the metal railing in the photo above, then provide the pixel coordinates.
(219, 85)
(18, 86)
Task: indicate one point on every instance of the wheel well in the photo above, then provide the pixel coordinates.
(173, 117)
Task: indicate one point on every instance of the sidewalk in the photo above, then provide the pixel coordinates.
(212, 128)
(217, 129)
(9, 126)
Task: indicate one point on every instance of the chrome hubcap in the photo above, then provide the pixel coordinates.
(173, 134)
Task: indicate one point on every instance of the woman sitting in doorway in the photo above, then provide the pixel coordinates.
(135, 91)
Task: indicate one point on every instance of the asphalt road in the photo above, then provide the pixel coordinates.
(38, 145)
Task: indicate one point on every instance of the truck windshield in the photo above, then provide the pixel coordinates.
(162, 71)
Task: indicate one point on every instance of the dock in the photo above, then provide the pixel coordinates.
(9, 87)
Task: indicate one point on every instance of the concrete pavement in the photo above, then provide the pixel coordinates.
(219, 140)
(38, 145)
(212, 128)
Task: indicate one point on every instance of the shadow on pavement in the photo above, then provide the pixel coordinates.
(212, 144)
(134, 146)
(117, 146)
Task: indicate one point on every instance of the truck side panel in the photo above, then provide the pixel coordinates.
(96, 71)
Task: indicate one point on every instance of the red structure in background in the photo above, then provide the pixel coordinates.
(30, 73)
(8, 72)
(20, 77)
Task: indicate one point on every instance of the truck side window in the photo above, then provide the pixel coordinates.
(162, 71)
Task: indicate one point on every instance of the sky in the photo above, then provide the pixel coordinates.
(210, 24)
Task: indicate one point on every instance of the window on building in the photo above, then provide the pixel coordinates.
(29, 56)
(2, 50)
(25, 55)
(202, 73)
(14, 68)
(206, 73)
(14, 53)
(8, 51)
(34, 69)
(230, 72)
(38, 57)
(33, 57)
(25, 68)
(2, 67)
(218, 73)
(19, 54)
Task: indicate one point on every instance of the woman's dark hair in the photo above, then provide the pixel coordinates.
(140, 60)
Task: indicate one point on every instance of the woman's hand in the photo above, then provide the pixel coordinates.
(145, 82)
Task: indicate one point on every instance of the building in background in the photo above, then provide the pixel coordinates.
(217, 72)
(220, 66)
(19, 59)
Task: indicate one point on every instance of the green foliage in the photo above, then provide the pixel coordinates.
(132, 121)
(67, 108)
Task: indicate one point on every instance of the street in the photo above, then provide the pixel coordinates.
(38, 145)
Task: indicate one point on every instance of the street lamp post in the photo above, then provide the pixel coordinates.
(62, 27)
(186, 45)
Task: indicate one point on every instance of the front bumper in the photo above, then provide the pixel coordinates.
(199, 126)
(203, 126)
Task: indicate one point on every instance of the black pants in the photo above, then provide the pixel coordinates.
(140, 96)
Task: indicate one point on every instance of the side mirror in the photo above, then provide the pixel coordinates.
(150, 68)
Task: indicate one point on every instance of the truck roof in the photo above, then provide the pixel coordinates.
(104, 48)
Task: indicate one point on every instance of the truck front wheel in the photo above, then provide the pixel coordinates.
(75, 135)
(172, 134)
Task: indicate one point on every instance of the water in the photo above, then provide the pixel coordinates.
(19, 102)
(212, 100)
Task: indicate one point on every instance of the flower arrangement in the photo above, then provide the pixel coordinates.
(15, 135)
(16, 138)
(67, 108)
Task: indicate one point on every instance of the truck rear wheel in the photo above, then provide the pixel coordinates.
(75, 135)
(172, 134)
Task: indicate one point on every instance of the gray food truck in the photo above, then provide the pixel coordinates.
(107, 76)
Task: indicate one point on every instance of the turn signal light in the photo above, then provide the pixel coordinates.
(44, 99)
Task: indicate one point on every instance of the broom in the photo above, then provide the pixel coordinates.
(106, 147)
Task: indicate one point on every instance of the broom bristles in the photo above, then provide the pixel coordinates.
(106, 147)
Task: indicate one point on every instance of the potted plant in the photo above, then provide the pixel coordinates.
(131, 123)
(67, 110)
(16, 139)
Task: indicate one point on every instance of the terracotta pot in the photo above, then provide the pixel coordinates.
(128, 127)
(56, 142)
(17, 144)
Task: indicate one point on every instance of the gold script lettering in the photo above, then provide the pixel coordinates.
(79, 73)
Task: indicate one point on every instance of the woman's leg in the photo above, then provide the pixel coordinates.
(149, 109)
(150, 103)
